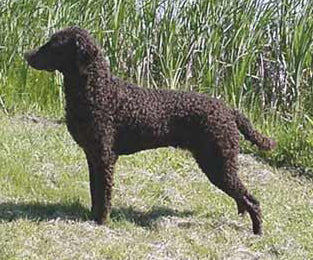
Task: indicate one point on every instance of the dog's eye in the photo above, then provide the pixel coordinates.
(45, 47)
(58, 51)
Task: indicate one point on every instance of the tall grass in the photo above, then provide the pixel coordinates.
(255, 54)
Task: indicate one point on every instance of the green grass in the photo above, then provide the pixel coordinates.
(294, 139)
(163, 206)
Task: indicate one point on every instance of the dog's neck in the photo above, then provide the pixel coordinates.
(80, 78)
(96, 65)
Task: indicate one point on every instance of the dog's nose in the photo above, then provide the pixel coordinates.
(27, 55)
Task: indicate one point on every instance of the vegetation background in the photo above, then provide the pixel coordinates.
(257, 55)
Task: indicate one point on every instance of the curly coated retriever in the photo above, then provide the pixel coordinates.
(108, 117)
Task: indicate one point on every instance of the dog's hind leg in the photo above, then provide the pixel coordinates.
(222, 172)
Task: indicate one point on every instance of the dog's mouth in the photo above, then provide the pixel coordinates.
(34, 61)
(30, 58)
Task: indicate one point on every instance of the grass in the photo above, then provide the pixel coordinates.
(163, 206)
(294, 139)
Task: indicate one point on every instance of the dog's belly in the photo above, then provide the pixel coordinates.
(130, 141)
(133, 149)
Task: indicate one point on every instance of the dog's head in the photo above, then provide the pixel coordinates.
(67, 50)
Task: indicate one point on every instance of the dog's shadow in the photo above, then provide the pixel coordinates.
(37, 211)
(148, 218)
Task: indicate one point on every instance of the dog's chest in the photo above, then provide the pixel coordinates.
(78, 123)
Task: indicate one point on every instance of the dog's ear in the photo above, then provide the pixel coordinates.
(81, 49)
(86, 51)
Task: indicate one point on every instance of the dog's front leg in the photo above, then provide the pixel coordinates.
(101, 167)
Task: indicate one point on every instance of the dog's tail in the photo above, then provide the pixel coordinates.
(248, 131)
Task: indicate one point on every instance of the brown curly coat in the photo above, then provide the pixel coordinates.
(108, 117)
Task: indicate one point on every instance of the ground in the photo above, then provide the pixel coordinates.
(163, 205)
